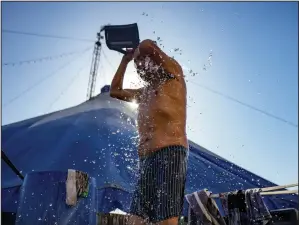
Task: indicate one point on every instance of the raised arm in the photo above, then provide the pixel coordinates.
(149, 47)
(117, 90)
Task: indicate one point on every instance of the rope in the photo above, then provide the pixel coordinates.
(44, 79)
(67, 87)
(246, 105)
(46, 35)
(42, 59)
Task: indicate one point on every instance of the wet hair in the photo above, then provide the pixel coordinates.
(146, 68)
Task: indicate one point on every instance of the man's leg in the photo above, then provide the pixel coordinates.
(136, 220)
(138, 209)
(171, 221)
(168, 178)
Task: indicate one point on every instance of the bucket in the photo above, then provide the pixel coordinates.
(120, 37)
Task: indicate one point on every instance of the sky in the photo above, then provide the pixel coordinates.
(248, 51)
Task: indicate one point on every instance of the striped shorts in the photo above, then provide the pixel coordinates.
(159, 194)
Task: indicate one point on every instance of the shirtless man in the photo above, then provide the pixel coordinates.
(163, 144)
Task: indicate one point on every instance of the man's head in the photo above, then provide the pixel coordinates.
(146, 68)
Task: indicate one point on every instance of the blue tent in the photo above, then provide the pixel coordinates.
(99, 137)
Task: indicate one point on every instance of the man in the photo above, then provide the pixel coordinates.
(163, 144)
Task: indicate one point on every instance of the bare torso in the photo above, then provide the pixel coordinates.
(162, 117)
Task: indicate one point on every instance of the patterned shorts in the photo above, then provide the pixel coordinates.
(159, 194)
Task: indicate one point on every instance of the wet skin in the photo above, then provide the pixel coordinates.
(162, 102)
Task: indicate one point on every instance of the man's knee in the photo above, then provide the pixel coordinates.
(171, 221)
(136, 220)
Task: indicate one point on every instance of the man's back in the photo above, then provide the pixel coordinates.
(162, 116)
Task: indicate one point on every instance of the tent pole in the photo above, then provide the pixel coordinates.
(94, 66)
(11, 165)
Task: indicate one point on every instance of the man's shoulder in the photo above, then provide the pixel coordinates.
(175, 85)
(174, 68)
(173, 60)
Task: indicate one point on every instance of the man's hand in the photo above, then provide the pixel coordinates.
(136, 53)
(117, 90)
(128, 56)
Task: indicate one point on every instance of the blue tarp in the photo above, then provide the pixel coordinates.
(47, 203)
(99, 137)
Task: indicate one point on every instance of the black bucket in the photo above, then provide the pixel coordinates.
(120, 37)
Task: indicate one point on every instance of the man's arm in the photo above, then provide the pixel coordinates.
(116, 90)
(148, 47)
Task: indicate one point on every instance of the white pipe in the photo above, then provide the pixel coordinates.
(266, 193)
(279, 192)
(279, 187)
(264, 190)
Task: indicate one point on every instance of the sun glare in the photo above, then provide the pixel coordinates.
(133, 105)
